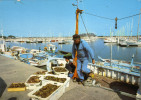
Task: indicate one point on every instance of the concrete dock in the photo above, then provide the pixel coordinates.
(12, 71)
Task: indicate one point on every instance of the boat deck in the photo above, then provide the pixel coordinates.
(12, 71)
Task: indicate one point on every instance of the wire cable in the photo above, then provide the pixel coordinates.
(111, 18)
(84, 25)
(96, 54)
(86, 30)
(129, 16)
(99, 16)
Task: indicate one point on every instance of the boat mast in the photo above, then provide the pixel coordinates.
(138, 26)
(131, 28)
(1, 31)
(77, 18)
(111, 48)
(76, 32)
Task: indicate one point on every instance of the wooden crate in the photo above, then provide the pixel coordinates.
(10, 89)
(16, 89)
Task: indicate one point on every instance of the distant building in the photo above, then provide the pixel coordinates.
(85, 34)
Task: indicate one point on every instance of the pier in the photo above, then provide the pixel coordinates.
(14, 71)
(56, 39)
(43, 39)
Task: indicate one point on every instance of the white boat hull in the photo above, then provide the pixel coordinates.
(116, 74)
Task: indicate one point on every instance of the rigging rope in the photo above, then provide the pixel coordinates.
(129, 16)
(99, 16)
(86, 30)
(84, 25)
(103, 18)
(96, 54)
(112, 18)
(88, 35)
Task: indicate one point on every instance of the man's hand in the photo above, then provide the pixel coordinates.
(93, 61)
(74, 62)
(70, 72)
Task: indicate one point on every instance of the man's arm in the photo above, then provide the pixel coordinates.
(89, 50)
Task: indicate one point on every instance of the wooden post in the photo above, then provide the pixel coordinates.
(76, 32)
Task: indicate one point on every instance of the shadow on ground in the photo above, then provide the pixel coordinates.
(13, 98)
(3, 86)
(124, 87)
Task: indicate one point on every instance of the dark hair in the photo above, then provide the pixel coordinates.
(67, 57)
(76, 36)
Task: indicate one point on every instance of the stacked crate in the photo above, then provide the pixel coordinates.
(49, 78)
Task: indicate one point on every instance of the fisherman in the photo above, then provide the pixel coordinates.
(69, 66)
(83, 53)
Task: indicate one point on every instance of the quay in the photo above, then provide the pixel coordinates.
(56, 39)
(13, 71)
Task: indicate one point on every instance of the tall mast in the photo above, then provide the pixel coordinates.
(1, 31)
(77, 18)
(111, 47)
(138, 26)
(76, 32)
(131, 27)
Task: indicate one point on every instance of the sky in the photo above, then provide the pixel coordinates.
(56, 18)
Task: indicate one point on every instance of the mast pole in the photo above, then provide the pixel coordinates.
(76, 32)
(138, 26)
(77, 19)
(111, 48)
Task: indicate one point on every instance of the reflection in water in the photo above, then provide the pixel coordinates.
(99, 47)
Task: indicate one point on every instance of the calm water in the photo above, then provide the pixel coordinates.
(99, 47)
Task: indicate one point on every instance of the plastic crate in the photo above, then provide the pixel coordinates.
(40, 73)
(54, 96)
(60, 73)
(50, 73)
(32, 86)
(65, 84)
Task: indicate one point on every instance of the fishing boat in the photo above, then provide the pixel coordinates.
(53, 40)
(62, 42)
(36, 59)
(35, 51)
(136, 42)
(128, 72)
(116, 72)
(17, 50)
(130, 66)
(51, 48)
(2, 45)
(64, 53)
(110, 40)
(26, 56)
(123, 43)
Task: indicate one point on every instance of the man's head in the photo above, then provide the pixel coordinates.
(76, 39)
(67, 58)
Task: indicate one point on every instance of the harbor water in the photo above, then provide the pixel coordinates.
(99, 48)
